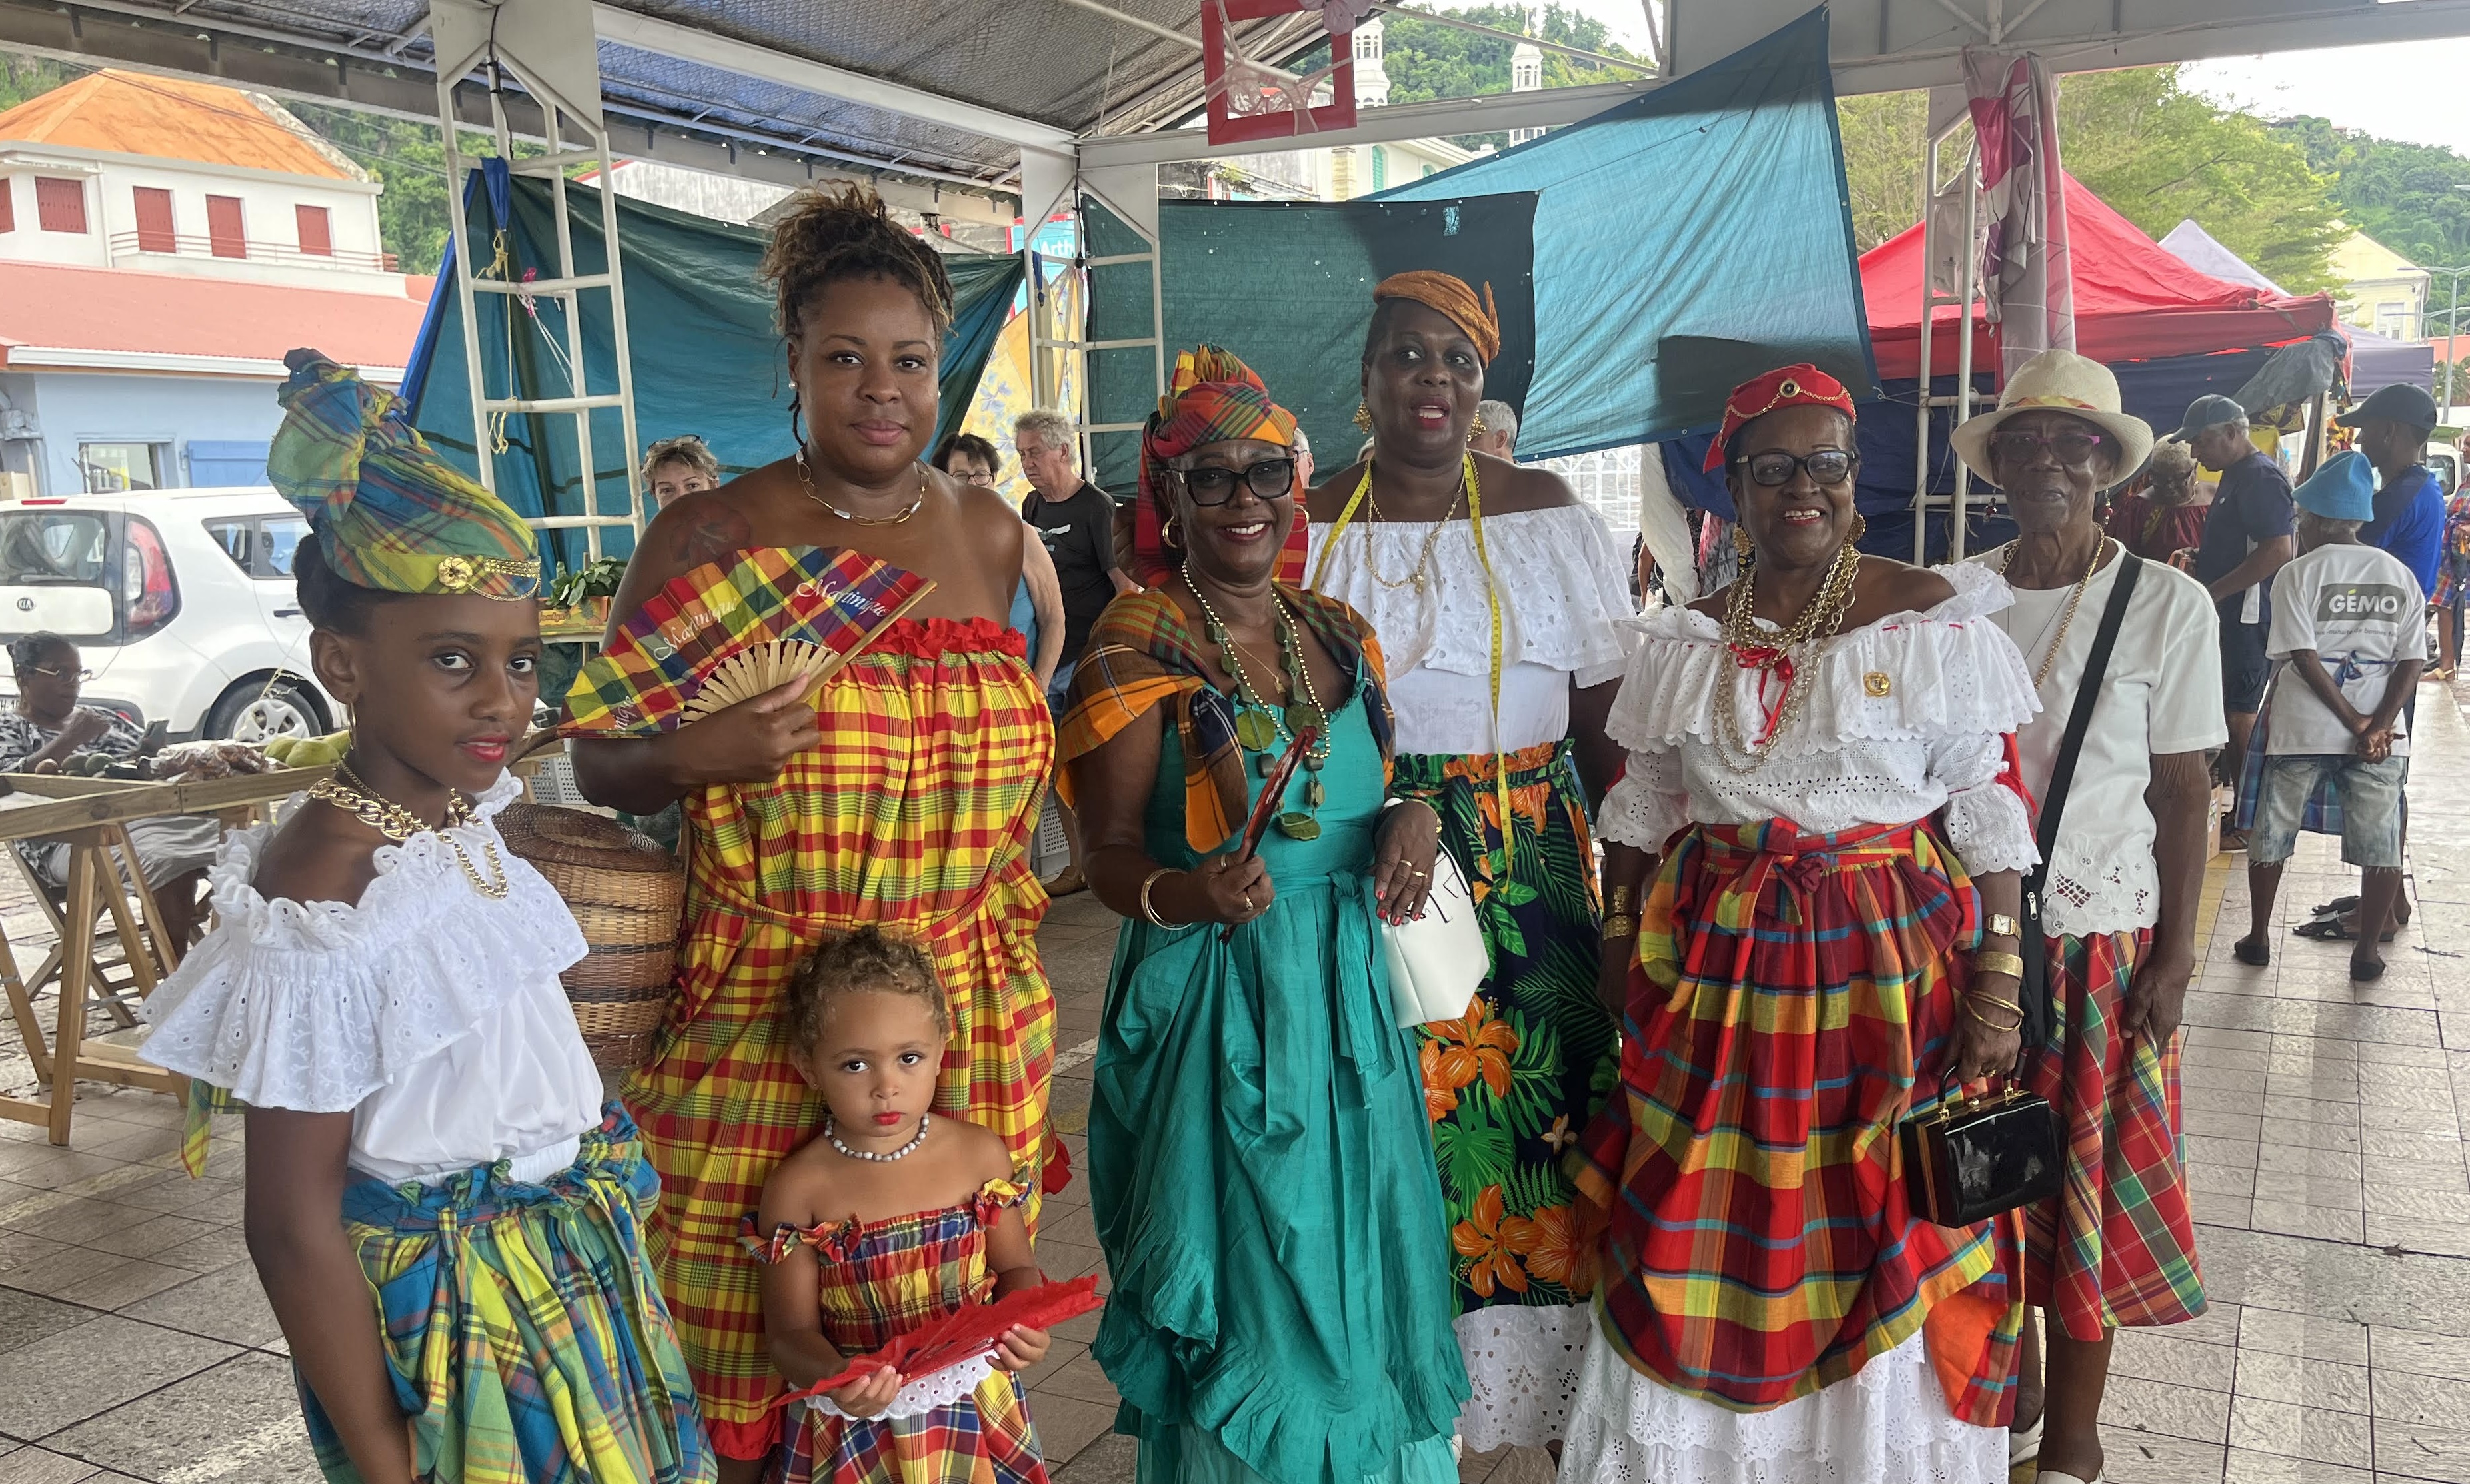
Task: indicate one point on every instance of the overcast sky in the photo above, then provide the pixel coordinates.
(2407, 90)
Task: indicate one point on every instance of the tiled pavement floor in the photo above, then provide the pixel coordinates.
(2327, 1125)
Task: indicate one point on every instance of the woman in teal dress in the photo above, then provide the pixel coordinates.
(1260, 1171)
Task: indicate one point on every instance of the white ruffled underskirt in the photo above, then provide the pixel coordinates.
(1887, 1424)
(1522, 1364)
(942, 1388)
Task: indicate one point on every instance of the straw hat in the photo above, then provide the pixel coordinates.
(2058, 381)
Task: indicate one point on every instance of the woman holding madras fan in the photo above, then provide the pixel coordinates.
(1817, 821)
(902, 795)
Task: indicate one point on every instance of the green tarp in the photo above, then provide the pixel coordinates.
(707, 359)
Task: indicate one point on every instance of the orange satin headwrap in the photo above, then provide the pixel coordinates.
(1452, 296)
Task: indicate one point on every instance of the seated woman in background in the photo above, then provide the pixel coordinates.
(2162, 513)
(46, 728)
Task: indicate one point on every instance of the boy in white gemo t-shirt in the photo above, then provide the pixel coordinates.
(2350, 631)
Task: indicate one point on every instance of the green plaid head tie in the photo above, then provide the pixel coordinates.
(390, 514)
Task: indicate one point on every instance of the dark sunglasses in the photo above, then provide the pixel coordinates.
(1827, 465)
(1271, 478)
(2074, 449)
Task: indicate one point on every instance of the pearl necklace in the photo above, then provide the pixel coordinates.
(834, 1138)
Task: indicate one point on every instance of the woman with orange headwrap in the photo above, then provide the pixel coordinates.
(1499, 599)
(1258, 1166)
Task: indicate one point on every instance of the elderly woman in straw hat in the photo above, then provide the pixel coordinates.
(2122, 867)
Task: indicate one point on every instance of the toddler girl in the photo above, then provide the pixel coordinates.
(889, 1219)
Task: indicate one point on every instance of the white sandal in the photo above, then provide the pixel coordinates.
(2024, 1444)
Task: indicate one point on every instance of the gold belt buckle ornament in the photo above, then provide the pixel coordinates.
(1877, 684)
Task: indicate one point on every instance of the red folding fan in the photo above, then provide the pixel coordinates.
(964, 1334)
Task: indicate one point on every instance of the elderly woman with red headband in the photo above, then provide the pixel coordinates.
(1820, 827)
(1258, 1165)
(1500, 600)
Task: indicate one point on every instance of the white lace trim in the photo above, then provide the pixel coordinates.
(1887, 1424)
(951, 1385)
(1522, 1362)
(1564, 592)
(314, 1005)
(1949, 670)
(2089, 895)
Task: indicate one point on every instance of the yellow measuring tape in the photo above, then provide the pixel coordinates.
(1492, 602)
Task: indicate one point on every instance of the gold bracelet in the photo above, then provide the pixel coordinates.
(1977, 1014)
(1147, 911)
(2010, 965)
(1987, 998)
(1619, 927)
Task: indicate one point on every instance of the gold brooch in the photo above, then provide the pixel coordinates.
(456, 574)
(1788, 389)
(463, 573)
(1876, 683)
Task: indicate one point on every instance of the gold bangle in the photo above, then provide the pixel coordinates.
(1975, 1013)
(1987, 998)
(2010, 965)
(1619, 927)
(1147, 911)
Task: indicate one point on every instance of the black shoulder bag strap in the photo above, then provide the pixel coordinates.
(2038, 1008)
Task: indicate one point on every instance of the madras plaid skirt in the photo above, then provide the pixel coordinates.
(1793, 999)
(2117, 1245)
(522, 1328)
(983, 1439)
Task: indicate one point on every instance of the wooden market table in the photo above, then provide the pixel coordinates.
(90, 815)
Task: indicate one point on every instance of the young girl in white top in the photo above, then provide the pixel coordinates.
(442, 1213)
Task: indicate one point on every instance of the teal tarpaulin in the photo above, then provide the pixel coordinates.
(707, 359)
(1684, 243)
(1287, 285)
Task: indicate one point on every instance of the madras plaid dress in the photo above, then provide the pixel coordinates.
(1791, 1002)
(2117, 1245)
(881, 1279)
(915, 816)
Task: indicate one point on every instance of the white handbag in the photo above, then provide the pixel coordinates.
(1438, 961)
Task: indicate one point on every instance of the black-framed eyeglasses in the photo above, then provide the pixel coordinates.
(1773, 468)
(2073, 449)
(1211, 485)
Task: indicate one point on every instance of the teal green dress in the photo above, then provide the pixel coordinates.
(1262, 1176)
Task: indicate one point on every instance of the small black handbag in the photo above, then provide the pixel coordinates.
(1970, 1158)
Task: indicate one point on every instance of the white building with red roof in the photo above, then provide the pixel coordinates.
(162, 243)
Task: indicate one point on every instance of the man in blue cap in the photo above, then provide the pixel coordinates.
(2246, 540)
(2350, 626)
(2394, 426)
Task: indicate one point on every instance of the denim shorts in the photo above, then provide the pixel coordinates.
(2372, 816)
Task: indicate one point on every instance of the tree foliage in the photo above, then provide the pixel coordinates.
(22, 78)
(1426, 59)
(2415, 198)
(2157, 153)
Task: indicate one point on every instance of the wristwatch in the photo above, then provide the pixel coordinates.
(2002, 925)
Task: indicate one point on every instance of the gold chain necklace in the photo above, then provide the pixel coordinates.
(343, 789)
(2068, 615)
(1765, 654)
(808, 480)
(1414, 577)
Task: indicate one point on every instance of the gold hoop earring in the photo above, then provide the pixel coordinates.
(1860, 528)
(1169, 535)
(1362, 419)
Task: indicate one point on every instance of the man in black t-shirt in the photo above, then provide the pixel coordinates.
(2247, 541)
(1076, 520)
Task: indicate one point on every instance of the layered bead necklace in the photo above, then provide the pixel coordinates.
(1772, 654)
(1265, 730)
(343, 789)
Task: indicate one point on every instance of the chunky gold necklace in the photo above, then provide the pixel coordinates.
(2066, 616)
(808, 480)
(1753, 649)
(343, 789)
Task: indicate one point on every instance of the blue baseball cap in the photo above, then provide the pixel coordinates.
(2342, 489)
(2399, 403)
(2210, 410)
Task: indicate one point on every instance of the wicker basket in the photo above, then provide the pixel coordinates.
(626, 893)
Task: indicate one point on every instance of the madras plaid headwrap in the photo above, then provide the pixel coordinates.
(640, 682)
(388, 512)
(1214, 398)
(1143, 654)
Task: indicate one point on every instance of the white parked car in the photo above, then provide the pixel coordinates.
(182, 602)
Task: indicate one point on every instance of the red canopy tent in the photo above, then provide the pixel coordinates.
(2135, 300)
